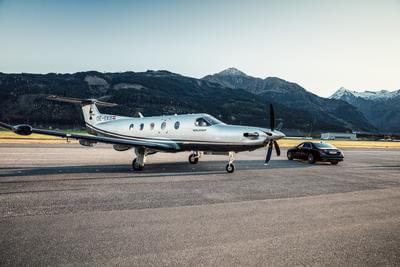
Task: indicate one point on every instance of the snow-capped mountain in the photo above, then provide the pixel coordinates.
(381, 108)
(345, 94)
(232, 72)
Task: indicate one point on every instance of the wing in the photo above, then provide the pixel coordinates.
(27, 130)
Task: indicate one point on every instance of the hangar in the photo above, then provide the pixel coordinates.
(335, 136)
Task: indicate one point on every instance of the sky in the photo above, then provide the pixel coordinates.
(321, 45)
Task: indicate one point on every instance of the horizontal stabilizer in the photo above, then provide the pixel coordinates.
(80, 101)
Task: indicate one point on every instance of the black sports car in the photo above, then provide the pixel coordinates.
(314, 151)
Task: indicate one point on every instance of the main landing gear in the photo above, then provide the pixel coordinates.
(194, 157)
(140, 160)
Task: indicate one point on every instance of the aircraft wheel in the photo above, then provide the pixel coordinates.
(230, 168)
(136, 166)
(193, 159)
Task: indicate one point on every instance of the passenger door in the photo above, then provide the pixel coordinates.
(297, 152)
(305, 150)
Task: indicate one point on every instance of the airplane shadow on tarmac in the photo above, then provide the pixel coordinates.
(157, 169)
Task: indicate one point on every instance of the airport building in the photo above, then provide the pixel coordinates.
(341, 136)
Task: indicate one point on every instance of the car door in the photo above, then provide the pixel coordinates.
(305, 150)
(297, 151)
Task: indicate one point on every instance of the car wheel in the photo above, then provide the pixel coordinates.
(290, 156)
(334, 162)
(311, 158)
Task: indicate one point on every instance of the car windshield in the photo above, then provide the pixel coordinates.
(323, 145)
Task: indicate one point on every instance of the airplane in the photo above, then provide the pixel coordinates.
(198, 133)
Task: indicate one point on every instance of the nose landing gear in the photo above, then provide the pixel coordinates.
(230, 168)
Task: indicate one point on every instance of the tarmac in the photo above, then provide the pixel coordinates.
(68, 204)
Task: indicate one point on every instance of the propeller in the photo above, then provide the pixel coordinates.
(272, 143)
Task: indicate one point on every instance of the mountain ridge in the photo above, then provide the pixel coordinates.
(22, 100)
(381, 108)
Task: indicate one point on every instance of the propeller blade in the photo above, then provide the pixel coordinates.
(278, 150)
(269, 153)
(271, 117)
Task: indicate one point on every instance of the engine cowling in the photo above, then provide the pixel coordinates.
(121, 147)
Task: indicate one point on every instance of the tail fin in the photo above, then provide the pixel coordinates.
(89, 108)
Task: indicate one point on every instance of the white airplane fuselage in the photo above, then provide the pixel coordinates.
(183, 130)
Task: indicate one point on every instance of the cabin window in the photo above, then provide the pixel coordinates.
(131, 127)
(176, 126)
(141, 127)
(163, 125)
(201, 122)
(152, 126)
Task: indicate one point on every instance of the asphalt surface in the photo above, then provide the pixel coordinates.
(67, 204)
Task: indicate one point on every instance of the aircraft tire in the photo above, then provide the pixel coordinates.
(136, 166)
(193, 159)
(230, 168)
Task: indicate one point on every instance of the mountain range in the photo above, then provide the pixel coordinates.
(230, 95)
(381, 108)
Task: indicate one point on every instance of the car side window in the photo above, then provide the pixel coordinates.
(301, 145)
(307, 145)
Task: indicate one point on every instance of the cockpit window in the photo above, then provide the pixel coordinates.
(202, 122)
(207, 121)
(212, 120)
(141, 126)
(131, 127)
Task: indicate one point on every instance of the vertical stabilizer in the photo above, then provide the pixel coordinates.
(91, 114)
